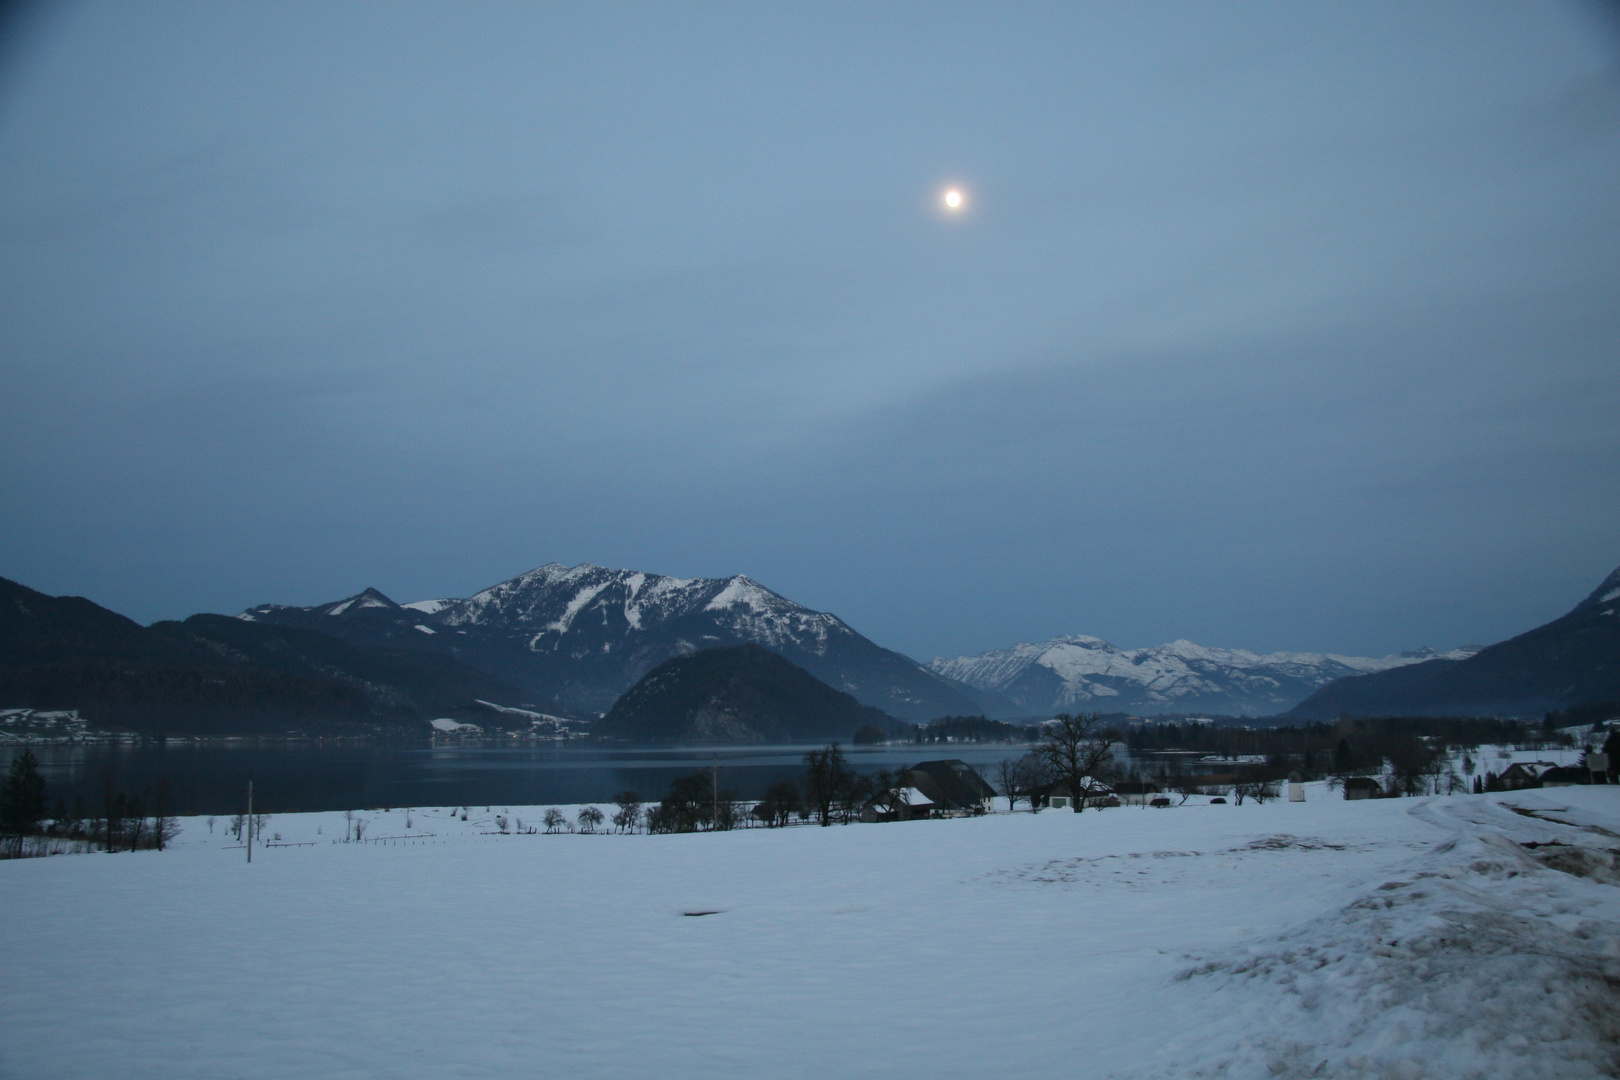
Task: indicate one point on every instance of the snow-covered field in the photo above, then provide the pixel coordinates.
(1398, 938)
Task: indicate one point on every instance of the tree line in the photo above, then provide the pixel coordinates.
(126, 821)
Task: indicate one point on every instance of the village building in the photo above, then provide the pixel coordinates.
(1362, 787)
(946, 788)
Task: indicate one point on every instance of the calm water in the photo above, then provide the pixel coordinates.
(294, 777)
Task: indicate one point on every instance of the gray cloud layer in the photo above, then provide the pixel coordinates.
(1273, 326)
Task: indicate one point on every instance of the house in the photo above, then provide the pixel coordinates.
(1566, 776)
(1056, 795)
(1599, 766)
(946, 788)
(1524, 774)
(1362, 787)
(908, 804)
(951, 786)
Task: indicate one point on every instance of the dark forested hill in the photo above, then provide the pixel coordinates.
(216, 675)
(742, 693)
(1573, 659)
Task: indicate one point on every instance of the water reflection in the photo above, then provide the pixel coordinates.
(209, 778)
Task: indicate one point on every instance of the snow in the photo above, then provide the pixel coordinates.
(740, 592)
(338, 609)
(632, 613)
(426, 629)
(446, 724)
(576, 605)
(1390, 938)
(429, 607)
(1179, 671)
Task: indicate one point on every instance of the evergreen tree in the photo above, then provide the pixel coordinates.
(22, 799)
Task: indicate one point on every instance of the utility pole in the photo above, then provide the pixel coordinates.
(250, 820)
(715, 758)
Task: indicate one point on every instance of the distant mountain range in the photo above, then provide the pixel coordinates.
(216, 675)
(583, 635)
(1080, 673)
(554, 649)
(1570, 661)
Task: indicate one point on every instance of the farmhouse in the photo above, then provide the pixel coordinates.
(945, 788)
(1524, 774)
(908, 804)
(952, 786)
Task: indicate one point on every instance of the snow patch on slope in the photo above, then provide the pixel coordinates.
(741, 592)
(1089, 667)
(575, 606)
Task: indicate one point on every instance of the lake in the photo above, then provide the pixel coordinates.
(293, 777)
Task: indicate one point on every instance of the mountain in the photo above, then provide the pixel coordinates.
(402, 680)
(740, 693)
(583, 635)
(40, 629)
(1079, 673)
(1571, 660)
(217, 675)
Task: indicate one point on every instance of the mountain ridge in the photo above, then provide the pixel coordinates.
(215, 675)
(584, 634)
(1080, 671)
(1571, 660)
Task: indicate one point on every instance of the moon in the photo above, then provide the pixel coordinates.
(953, 199)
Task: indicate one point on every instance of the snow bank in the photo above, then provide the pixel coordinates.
(1387, 938)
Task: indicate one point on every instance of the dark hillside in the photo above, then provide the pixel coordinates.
(1573, 659)
(743, 693)
(213, 675)
(400, 679)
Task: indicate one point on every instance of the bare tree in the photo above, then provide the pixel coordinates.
(1416, 763)
(1183, 785)
(165, 826)
(852, 795)
(725, 813)
(112, 810)
(781, 803)
(1010, 777)
(889, 789)
(135, 821)
(1255, 785)
(589, 818)
(1075, 747)
(826, 775)
(554, 820)
(1037, 775)
(628, 817)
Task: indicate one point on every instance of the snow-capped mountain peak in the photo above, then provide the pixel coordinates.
(583, 634)
(1077, 671)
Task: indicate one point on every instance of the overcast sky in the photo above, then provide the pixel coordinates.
(1276, 326)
